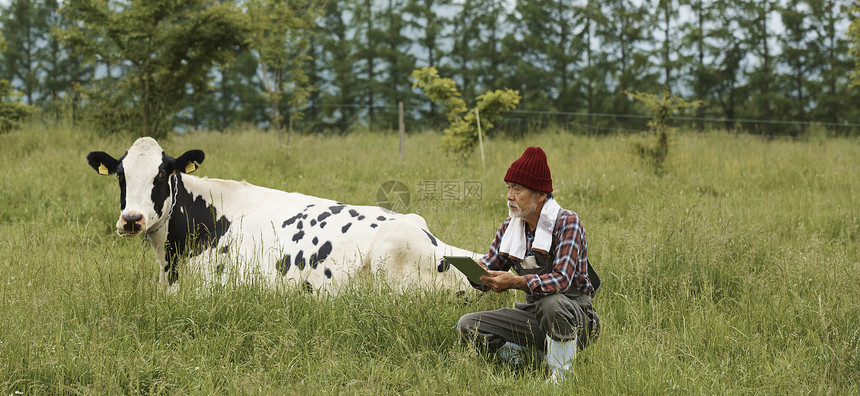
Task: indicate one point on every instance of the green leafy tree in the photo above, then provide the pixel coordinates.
(627, 31)
(801, 50)
(655, 149)
(337, 58)
(440, 90)
(854, 33)
(461, 136)
(368, 42)
(727, 51)
(487, 63)
(164, 47)
(63, 72)
(422, 16)
(232, 98)
(666, 17)
(763, 95)
(12, 111)
(595, 74)
(833, 62)
(282, 34)
(394, 45)
(25, 25)
(701, 49)
(468, 26)
(552, 43)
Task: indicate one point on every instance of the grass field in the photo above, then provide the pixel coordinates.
(736, 272)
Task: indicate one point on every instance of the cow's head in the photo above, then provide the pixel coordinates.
(144, 174)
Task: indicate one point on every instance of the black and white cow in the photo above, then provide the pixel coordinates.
(283, 236)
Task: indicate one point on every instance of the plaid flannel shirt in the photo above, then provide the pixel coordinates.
(570, 269)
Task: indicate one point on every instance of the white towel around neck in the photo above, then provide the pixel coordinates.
(514, 241)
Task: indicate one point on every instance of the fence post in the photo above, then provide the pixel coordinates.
(402, 132)
(480, 139)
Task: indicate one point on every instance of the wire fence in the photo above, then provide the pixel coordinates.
(524, 121)
(518, 122)
(349, 117)
(638, 123)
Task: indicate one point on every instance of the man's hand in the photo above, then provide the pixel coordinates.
(502, 280)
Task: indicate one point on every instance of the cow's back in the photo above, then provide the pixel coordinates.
(294, 237)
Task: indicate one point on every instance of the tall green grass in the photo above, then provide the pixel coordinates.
(735, 272)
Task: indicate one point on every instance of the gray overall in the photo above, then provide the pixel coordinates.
(560, 316)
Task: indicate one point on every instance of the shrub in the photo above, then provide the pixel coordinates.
(12, 111)
(462, 134)
(654, 148)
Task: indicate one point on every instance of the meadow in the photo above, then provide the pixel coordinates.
(736, 271)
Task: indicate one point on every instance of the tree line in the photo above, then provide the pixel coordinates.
(153, 66)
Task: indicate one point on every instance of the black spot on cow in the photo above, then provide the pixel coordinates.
(120, 175)
(336, 209)
(345, 228)
(309, 287)
(323, 216)
(361, 217)
(161, 185)
(313, 222)
(300, 225)
(443, 266)
(291, 220)
(381, 218)
(322, 225)
(298, 236)
(300, 260)
(373, 225)
(328, 273)
(316, 240)
(193, 227)
(309, 206)
(432, 238)
(283, 265)
(353, 213)
(321, 255)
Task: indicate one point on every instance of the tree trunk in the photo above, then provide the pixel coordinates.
(370, 58)
(146, 103)
(290, 130)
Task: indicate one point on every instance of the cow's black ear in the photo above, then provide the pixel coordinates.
(102, 162)
(189, 161)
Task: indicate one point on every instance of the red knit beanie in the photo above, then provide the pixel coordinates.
(531, 171)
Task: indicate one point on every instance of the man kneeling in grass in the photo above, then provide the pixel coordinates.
(545, 245)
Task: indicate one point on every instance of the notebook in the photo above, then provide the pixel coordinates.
(469, 267)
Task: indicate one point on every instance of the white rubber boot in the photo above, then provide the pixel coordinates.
(511, 353)
(559, 357)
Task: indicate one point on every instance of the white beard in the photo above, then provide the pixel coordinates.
(521, 214)
(511, 211)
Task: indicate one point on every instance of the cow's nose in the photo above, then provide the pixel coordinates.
(132, 217)
(131, 222)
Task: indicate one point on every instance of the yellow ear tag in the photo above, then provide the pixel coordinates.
(103, 170)
(191, 167)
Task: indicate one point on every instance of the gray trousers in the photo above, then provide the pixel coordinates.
(558, 316)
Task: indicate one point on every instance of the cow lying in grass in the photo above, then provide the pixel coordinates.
(285, 237)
